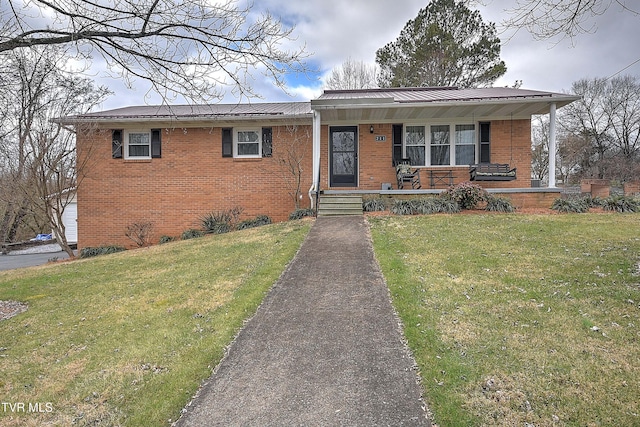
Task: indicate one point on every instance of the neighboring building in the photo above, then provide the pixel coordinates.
(170, 165)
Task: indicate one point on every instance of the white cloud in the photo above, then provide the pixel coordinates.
(334, 30)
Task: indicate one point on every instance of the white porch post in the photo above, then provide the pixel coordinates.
(315, 186)
(552, 146)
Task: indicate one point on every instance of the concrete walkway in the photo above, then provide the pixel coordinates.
(324, 349)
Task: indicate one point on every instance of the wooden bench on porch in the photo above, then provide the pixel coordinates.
(492, 172)
(442, 177)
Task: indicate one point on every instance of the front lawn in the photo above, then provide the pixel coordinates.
(519, 320)
(126, 339)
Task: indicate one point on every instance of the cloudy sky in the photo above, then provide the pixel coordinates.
(334, 30)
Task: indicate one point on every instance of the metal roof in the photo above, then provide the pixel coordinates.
(362, 106)
(198, 113)
(434, 103)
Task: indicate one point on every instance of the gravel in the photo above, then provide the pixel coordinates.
(8, 309)
(40, 249)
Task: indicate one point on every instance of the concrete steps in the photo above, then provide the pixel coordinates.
(332, 205)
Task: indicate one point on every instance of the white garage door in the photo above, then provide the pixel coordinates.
(70, 220)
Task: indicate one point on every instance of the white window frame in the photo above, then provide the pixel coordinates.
(127, 134)
(474, 143)
(236, 142)
(452, 140)
(424, 145)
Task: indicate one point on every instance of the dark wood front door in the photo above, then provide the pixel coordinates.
(343, 143)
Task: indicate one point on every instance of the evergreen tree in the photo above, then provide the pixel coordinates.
(447, 44)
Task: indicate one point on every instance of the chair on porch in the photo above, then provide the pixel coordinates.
(406, 173)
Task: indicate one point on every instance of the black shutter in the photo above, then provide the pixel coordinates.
(116, 143)
(397, 144)
(485, 142)
(156, 143)
(267, 142)
(227, 142)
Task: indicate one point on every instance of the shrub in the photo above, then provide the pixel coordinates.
(499, 204)
(403, 207)
(140, 233)
(301, 213)
(466, 194)
(100, 250)
(220, 222)
(571, 205)
(422, 206)
(166, 239)
(441, 205)
(259, 221)
(621, 204)
(375, 204)
(191, 233)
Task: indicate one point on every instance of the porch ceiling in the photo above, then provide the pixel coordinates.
(394, 112)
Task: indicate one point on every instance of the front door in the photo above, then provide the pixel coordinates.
(344, 156)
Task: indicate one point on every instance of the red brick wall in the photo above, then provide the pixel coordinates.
(192, 178)
(173, 192)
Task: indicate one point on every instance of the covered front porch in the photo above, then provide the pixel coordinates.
(359, 137)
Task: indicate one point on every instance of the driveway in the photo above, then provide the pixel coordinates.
(31, 257)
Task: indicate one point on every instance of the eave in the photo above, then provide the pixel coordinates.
(387, 110)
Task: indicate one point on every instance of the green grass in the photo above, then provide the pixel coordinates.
(517, 319)
(126, 339)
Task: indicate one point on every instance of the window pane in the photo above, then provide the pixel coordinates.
(416, 154)
(343, 141)
(465, 154)
(440, 155)
(465, 144)
(465, 134)
(343, 163)
(415, 135)
(485, 153)
(138, 151)
(138, 138)
(248, 136)
(248, 149)
(440, 135)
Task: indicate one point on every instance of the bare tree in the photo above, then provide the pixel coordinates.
(353, 74)
(539, 148)
(603, 127)
(290, 146)
(44, 169)
(191, 48)
(547, 19)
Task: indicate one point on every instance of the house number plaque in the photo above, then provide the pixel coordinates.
(381, 138)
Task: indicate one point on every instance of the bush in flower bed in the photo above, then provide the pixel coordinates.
(375, 204)
(466, 194)
(258, 221)
(621, 204)
(499, 204)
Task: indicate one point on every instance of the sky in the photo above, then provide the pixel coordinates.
(336, 30)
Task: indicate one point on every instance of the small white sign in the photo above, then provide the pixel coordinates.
(381, 138)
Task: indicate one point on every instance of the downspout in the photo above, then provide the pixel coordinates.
(552, 146)
(315, 186)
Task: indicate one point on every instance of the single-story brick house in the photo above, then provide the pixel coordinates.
(170, 165)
